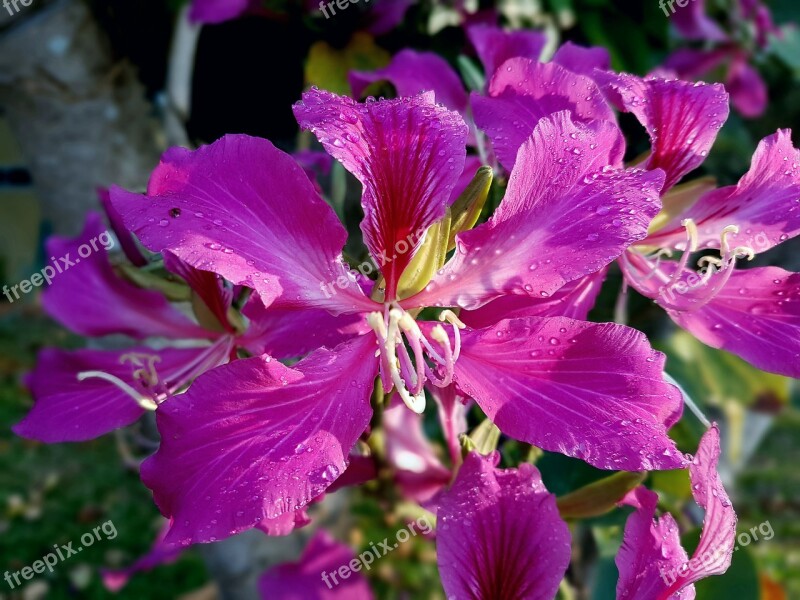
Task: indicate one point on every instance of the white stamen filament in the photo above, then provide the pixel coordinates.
(145, 403)
(396, 328)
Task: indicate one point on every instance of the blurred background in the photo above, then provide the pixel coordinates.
(91, 92)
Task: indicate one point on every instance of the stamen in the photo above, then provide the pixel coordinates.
(145, 403)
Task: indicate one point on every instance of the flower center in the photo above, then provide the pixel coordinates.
(150, 388)
(399, 336)
(682, 288)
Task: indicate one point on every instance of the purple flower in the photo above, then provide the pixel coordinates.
(82, 394)
(256, 439)
(652, 563)
(746, 87)
(499, 534)
(315, 576)
(753, 312)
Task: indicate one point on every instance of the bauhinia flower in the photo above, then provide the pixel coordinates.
(257, 439)
(82, 394)
(752, 25)
(499, 534)
(752, 313)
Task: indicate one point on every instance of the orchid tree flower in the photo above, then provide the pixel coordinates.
(747, 312)
(256, 439)
(518, 546)
(652, 563)
(314, 576)
(82, 394)
(752, 313)
(499, 534)
(752, 26)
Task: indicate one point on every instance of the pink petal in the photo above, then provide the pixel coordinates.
(688, 63)
(682, 118)
(565, 214)
(284, 524)
(523, 91)
(499, 534)
(693, 23)
(220, 209)
(411, 73)
(581, 60)
(755, 316)
(747, 89)
(68, 410)
(255, 439)
(291, 332)
(495, 45)
(303, 580)
(764, 204)
(574, 300)
(89, 298)
(408, 154)
(218, 11)
(590, 391)
(652, 562)
(452, 408)
(651, 551)
(385, 16)
(418, 471)
(124, 237)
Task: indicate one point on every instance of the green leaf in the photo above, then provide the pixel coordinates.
(599, 497)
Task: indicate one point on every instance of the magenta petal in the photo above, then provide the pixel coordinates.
(763, 204)
(693, 23)
(565, 214)
(290, 332)
(582, 60)
(284, 524)
(220, 209)
(255, 439)
(523, 91)
(651, 551)
(719, 524)
(418, 471)
(218, 11)
(590, 391)
(92, 300)
(688, 63)
(499, 534)
(412, 72)
(303, 580)
(408, 154)
(756, 316)
(68, 410)
(574, 300)
(652, 562)
(495, 45)
(682, 118)
(385, 16)
(747, 89)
